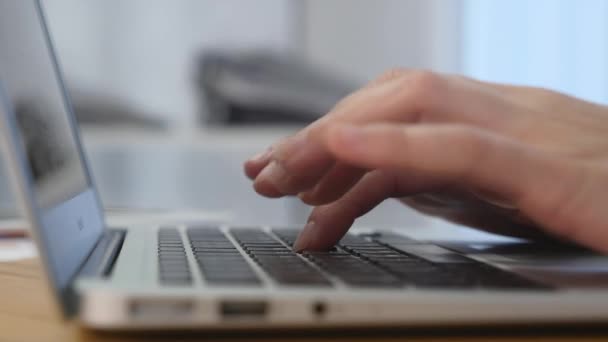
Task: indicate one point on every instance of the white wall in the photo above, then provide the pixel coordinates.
(143, 51)
(364, 38)
(559, 44)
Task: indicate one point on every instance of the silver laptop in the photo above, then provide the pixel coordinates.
(202, 276)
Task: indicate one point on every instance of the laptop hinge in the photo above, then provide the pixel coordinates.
(101, 260)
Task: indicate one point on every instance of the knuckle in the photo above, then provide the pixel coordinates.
(566, 204)
(424, 81)
(289, 183)
(476, 149)
(389, 75)
(474, 141)
(421, 87)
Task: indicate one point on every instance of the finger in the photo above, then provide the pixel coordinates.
(254, 165)
(300, 161)
(287, 175)
(548, 190)
(412, 97)
(388, 76)
(328, 223)
(335, 183)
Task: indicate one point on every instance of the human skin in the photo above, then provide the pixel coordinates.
(513, 160)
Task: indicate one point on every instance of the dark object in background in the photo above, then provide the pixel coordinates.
(264, 88)
(92, 108)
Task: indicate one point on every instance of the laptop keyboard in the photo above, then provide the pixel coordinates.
(219, 260)
(279, 262)
(347, 267)
(373, 261)
(172, 261)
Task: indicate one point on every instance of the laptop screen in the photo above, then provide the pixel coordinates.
(62, 201)
(30, 81)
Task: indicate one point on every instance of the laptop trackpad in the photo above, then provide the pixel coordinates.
(559, 265)
(586, 272)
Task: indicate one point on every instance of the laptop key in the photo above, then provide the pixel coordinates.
(490, 277)
(352, 270)
(411, 269)
(288, 236)
(220, 262)
(173, 266)
(429, 266)
(280, 263)
(240, 280)
(438, 267)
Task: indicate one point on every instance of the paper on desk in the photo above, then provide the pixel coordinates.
(16, 249)
(12, 227)
(14, 245)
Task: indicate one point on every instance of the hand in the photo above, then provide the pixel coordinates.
(513, 160)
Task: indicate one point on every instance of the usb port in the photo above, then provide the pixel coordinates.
(243, 308)
(161, 309)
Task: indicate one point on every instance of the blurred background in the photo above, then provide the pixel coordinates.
(173, 95)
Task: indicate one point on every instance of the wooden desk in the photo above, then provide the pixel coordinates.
(26, 314)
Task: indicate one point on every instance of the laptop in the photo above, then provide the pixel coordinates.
(221, 277)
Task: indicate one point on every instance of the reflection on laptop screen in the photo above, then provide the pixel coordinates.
(64, 211)
(30, 81)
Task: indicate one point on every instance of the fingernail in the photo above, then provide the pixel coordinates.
(261, 157)
(292, 149)
(305, 238)
(304, 196)
(273, 173)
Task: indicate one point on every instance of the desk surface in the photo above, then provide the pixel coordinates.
(26, 314)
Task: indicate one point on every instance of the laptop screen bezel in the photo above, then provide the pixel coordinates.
(82, 211)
